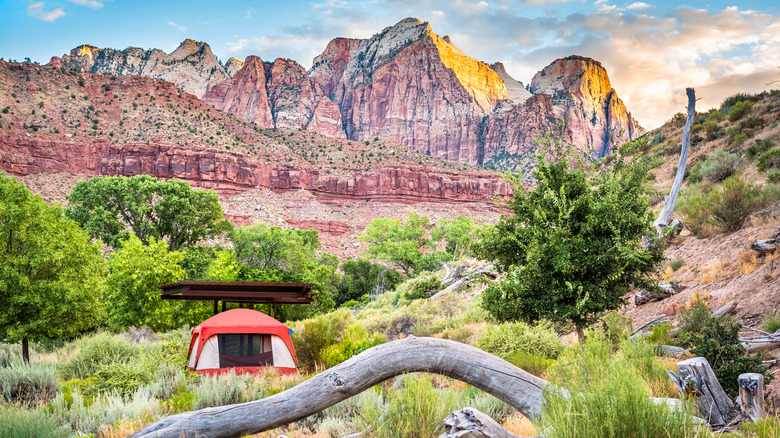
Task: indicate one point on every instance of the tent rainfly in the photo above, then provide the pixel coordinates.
(243, 340)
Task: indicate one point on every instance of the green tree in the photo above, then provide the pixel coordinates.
(571, 246)
(49, 270)
(404, 245)
(113, 207)
(362, 277)
(459, 235)
(136, 271)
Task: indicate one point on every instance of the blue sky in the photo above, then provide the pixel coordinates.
(652, 49)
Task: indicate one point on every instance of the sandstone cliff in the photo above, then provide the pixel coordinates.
(192, 65)
(277, 95)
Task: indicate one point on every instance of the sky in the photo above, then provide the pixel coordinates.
(652, 50)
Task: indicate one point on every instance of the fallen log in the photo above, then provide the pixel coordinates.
(471, 423)
(766, 246)
(663, 291)
(519, 389)
(485, 271)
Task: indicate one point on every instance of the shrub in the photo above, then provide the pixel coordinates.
(10, 353)
(739, 140)
(772, 322)
(219, 391)
(423, 288)
(677, 264)
(612, 399)
(507, 340)
(734, 202)
(739, 109)
(760, 147)
(17, 422)
(720, 166)
(768, 159)
(314, 335)
(717, 340)
(355, 341)
(29, 385)
(773, 176)
(693, 208)
(97, 351)
(729, 102)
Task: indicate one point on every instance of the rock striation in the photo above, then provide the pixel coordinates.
(278, 94)
(192, 66)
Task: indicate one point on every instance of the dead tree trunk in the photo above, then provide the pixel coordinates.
(521, 390)
(751, 395)
(697, 378)
(665, 290)
(666, 214)
(766, 246)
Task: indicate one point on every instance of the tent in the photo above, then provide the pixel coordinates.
(243, 340)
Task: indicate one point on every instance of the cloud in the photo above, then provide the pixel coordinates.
(94, 4)
(177, 27)
(36, 10)
(638, 5)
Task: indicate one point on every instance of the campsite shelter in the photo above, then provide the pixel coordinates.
(243, 340)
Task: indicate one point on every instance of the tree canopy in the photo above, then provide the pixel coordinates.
(50, 271)
(571, 245)
(111, 208)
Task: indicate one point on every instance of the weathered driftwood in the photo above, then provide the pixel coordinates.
(761, 343)
(766, 246)
(453, 283)
(471, 423)
(661, 316)
(666, 214)
(751, 395)
(521, 390)
(697, 378)
(664, 290)
(727, 308)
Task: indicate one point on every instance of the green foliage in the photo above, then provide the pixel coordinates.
(111, 208)
(401, 245)
(661, 335)
(362, 277)
(717, 340)
(739, 109)
(459, 234)
(273, 254)
(571, 247)
(760, 147)
(354, 341)
(510, 339)
(607, 397)
(771, 322)
(727, 207)
(29, 385)
(720, 166)
(729, 102)
(95, 352)
(423, 287)
(316, 335)
(220, 391)
(677, 264)
(763, 428)
(18, 422)
(49, 270)
(9, 353)
(768, 160)
(136, 271)
(773, 176)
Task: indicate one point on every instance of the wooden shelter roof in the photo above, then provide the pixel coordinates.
(238, 292)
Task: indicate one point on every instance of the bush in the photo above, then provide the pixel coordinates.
(677, 264)
(29, 385)
(739, 140)
(611, 399)
(313, 336)
(760, 147)
(720, 166)
(717, 340)
(17, 422)
(773, 176)
(693, 208)
(768, 159)
(729, 102)
(772, 322)
(10, 353)
(219, 391)
(97, 351)
(423, 288)
(355, 341)
(734, 202)
(509, 339)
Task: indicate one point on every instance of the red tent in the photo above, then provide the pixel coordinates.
(243, 340)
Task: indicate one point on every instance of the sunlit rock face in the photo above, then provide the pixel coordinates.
(278, 94)
(192, 65)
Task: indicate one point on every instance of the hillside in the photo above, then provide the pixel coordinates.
(56, 121)
(739, 139)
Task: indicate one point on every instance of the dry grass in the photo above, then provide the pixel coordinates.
(520, 425)
(748, 262)
(712, 271)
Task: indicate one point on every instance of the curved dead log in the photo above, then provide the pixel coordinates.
(521, 390)
(666, 214)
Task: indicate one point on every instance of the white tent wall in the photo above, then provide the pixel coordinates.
(194, 352)
(209, 356)
(282, 356)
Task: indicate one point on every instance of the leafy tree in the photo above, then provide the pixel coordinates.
(571, 246)
(273, 254)
(113, 207)
(136, 271)
(49, 270)
(402, 245)
(458, 233)
(362, 277)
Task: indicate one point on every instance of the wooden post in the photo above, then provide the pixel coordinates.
(216, 307)
(224, 305)
(274, 310)
(697, 378)
(240, 305)
(252, 306)
(751, 395)
(269, 309)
